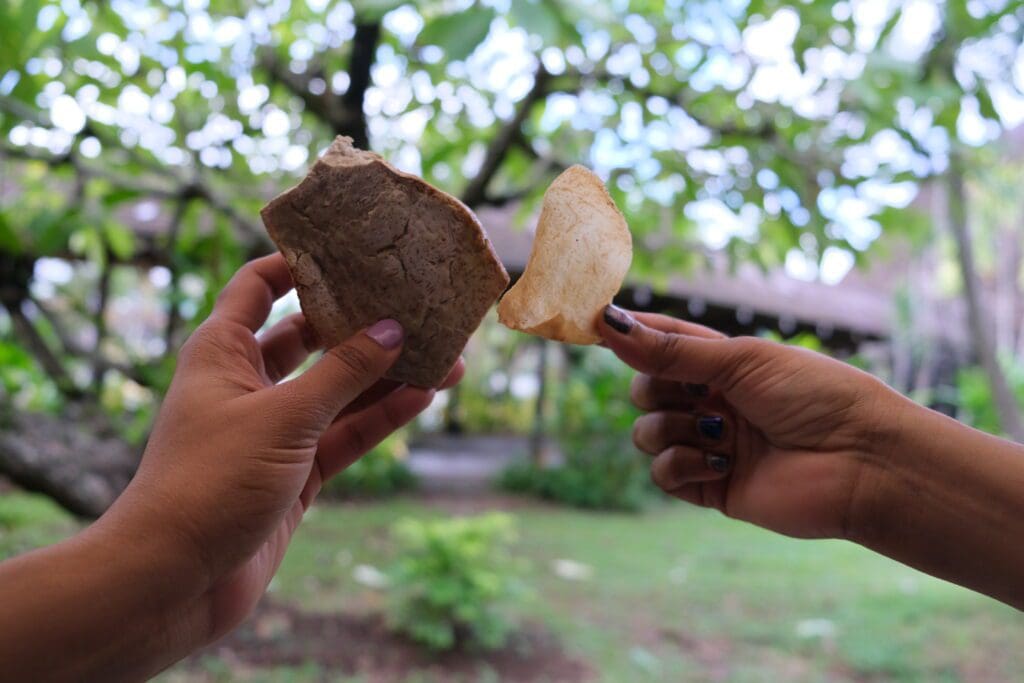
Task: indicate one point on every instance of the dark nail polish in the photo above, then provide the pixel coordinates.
(697, 390)
(711, 426)
(716, 462)
(618, 319)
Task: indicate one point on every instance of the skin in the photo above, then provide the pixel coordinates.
(801, 444)
(235, 459)
(814, 448)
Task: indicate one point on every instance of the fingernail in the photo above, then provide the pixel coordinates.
(387, 333)
(618, 319)
(716, 462)
(697, 390)
(711, 426)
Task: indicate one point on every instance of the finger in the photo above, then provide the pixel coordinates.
(285, 346)
(667, 323)
(378, 391)
(690, 493)
(352, 436)
(678, 357)
(680, 465)
(343, 373)
(655, 432)
(387, 386)
(247, 298)
(653, 393)
(455, 376)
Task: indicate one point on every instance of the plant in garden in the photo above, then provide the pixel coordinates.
(593, 420)
(454, 580)
(381, 472)
(486, 400)
(975, 398)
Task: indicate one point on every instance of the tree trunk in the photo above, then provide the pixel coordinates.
(1008, 261)
(452, 420)
(537, 431)
(75, 460)
(981, 334)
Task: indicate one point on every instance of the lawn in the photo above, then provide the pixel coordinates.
(675, 594)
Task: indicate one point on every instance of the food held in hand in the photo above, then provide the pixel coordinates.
(580, 256)
(365, 242)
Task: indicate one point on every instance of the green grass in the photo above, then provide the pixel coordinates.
(683, 594)
(677, 594)
(28, 521)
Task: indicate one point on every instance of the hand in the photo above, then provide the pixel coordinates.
(779, 436)
(237, 456)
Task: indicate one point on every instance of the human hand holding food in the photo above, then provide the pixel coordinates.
(771, 434)
(809, 446)
(236, 457)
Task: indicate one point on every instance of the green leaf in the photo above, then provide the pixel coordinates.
(9, 241)
(985, 105)
(545, 19)
(120, 239)
(890, 24)
(89, 243)
(460, 33)
(119, 195)
(17, 25)
(371, 11)
(49, 230)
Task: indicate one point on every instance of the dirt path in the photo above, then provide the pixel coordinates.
(279, 634)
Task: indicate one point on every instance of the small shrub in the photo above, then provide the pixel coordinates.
(977, 405)
(593, 421)
(453, 581)
(381, 472)
(600, 481)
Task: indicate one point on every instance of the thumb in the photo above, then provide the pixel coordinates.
(668, 355)
(346, 370)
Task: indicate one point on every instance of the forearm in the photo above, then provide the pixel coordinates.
(99, 606)
(949, 500)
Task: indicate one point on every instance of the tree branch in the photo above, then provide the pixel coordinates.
(173, 312)
(69, 159)
(475, 192)
(100, 324)
(364, 51)
(29, 337)
(322, 106)
(343, 115)
(765, 131)
(76, 461)
(73, 348)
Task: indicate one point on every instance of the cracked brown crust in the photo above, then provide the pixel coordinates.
(365, 241)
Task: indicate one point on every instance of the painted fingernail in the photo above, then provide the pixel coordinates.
(387, 333)
(711, 426)
(716, 462)
(618, 319)
(697, 390)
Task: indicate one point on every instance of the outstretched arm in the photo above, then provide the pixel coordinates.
(808, 446)
(236, 457)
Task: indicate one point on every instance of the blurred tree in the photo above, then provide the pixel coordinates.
(982, 338)
(984, 246)
(139, 138)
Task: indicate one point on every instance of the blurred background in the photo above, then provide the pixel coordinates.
(841, 175)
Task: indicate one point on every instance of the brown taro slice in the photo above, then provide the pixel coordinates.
(365, 241)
